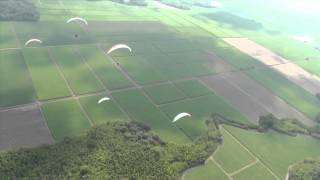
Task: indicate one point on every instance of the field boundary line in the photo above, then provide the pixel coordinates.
(46, 122)
(60, 72)
(15, 35)
(184, 100)
(221, 168)
(102, 84)
(245, 167)
(70, 89)
(252, 154)
(37, 101)
(212, 155)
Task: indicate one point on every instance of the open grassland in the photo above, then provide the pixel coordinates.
(209, 171)
(277, 151)
(164, 93)
(102, 66)
(231, 155)
(192, 88)
(141, 109)
(7, 38)
(107, 111)
(78, 75)
(15, 83)
(201, 109)
(45, 75)
(257, 171)
(65, 118)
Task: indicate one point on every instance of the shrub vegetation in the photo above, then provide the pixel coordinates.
(309, 169)
(18, 10)
(113, 151)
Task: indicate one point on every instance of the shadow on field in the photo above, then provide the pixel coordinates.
(234, 20)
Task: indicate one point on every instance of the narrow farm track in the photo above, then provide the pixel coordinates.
(70, 89)
(102, 84)
(251, 153)
(244, 168)
(221, 168)
(231, 175)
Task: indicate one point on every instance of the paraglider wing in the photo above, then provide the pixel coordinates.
(74, 19)
(103, 99)
(119, 46)
(181, 115)
(33, 40)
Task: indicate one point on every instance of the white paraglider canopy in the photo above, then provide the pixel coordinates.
(181, 115)
(119, 46)
(33, 40)
(103, 99)
(75, 19)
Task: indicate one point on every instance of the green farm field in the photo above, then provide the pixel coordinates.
(172, 49)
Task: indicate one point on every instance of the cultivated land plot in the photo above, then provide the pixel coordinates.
(107, 111)
(257, 171)
(243, 102)
(292, 71)
(288, 47)
(102, 66)
(45, 75)
(276, 150)
(176, 45)
(51, 32)
(7, 38)
(209, 171)
(129, 31)
(164, 93)
(293, 94)
(65, 118)
(78, 75)
(231, 155)
(193, 63)
(251, 98)
(141, 109)
(15, 83)
(201, 108)
(192, 88)
(140, 69)
(23, 127)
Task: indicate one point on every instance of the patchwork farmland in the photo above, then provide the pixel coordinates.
(181, 61)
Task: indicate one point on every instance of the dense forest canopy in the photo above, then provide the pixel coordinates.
(18, 10)
(119, 150)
